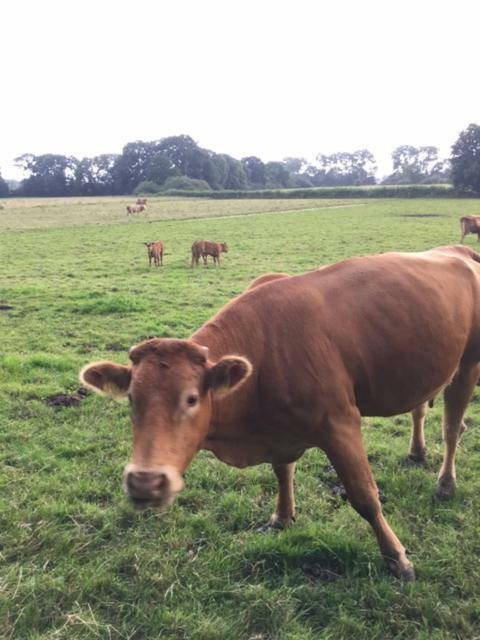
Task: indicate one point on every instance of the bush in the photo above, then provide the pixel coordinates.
(147, 187)
(183, 183)
(398, 191)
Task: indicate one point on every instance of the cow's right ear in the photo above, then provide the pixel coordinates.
(106, 378)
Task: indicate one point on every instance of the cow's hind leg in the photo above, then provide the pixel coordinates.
(284, 512)
(343, 444)
(456, 398)
(417, 441)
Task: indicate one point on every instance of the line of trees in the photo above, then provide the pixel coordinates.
(178, 162)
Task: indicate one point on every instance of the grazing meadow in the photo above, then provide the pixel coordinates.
(77, 562)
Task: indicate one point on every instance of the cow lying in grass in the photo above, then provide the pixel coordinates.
(294, 363)
(155, 253)
(203, 248)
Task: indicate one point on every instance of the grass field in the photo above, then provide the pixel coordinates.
(77, 562)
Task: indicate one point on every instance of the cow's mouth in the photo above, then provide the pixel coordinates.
(147, 503)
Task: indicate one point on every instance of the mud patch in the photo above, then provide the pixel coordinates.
(116, 346)
(317, 573)
(67, 400)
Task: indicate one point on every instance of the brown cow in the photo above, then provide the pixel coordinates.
(131, 209)
(155, 253)
(142, 201)
(203, 248)
(470, 224)
(295, 363)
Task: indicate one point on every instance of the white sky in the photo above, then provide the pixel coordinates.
(257, 77)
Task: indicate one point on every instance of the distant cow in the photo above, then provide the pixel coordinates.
(203, 248)
(131, 209)
(155, 253)
(142, 201)
(470, 224)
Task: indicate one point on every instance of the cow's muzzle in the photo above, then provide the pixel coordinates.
(151, 487)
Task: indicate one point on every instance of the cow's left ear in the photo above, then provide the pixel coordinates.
(228, 374)
(106, 378)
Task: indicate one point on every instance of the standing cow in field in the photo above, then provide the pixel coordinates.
(470, 224)
(131, 209)
(155, 253)
(142, 201)
(203, 248)
(294, 363)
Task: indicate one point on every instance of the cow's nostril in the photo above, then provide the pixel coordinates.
(160, 481)
(144, 484)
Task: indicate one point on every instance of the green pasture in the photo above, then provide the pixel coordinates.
(77, 562)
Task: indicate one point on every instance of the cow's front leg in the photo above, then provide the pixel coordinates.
(342, 442)
(284, 512)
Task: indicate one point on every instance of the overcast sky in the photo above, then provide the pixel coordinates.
(268, 78)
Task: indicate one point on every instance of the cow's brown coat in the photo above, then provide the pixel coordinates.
(131, 209)
(155, 253)
(204, 248)
(470, 224)
(374, 336)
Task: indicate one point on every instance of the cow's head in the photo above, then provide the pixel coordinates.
(169, 385)
(224, 247)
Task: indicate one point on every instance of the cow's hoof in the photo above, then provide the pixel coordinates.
(417, 457)
(445, 488)
(276, 523)
(408, 574)
(402, 569)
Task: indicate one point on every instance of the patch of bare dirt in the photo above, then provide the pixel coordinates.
(67, 400)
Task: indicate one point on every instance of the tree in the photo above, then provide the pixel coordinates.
(4, 189)
(417, 165)
(48, 174)
(465, 160)
(343, 168)
(131, 166)
(160, 168)
(93, 176)
(277, 175)
(236, 177)
(295, 165)
(179, 150)
(255, 172)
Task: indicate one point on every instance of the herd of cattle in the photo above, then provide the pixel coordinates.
(295, 362)
(138, 207)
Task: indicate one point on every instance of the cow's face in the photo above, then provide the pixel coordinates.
(224, 247)
(169, 386)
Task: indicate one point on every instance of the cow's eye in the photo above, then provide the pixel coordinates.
(192, 400)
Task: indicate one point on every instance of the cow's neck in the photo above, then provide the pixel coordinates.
(228, 436)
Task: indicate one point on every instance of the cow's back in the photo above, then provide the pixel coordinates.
(387, 330)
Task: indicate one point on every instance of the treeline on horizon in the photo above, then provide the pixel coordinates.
(178, 163)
